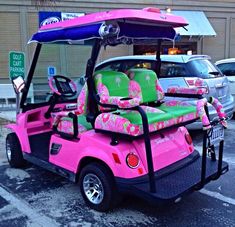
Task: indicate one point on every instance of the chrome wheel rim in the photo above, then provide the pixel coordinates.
(93, 188)
(8, 150)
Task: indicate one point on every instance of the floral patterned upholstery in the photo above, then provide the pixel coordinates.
(170, 113)
(145, 87)
(187, 90)
(65, 124)
(149, 86)
(82, 100)
(181, 108)
(220, 111)
(114, 89)
(153, 92)
(116, 123)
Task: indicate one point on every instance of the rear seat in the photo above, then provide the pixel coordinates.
(143, 88)
(152, 93)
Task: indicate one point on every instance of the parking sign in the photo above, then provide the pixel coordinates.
(16, 64)
(51, 71)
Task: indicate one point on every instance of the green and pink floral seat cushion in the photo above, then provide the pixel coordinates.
(147, 83)
(144, 88)
(114, 88)
(152, 92)
(130, 122)
(64, 124)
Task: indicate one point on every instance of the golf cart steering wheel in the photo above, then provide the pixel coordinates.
(62, 86)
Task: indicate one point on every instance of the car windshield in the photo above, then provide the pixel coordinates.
(170, 69)
(227, 68)
(203, 68)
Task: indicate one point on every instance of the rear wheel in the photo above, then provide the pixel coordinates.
(14, 152)
(98, 187)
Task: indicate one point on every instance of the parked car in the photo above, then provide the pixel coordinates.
(227, 67)
(181, 71)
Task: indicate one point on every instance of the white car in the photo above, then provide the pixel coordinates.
(227, 67)
(181, 71)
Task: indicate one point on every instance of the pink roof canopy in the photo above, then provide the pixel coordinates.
(148, 23)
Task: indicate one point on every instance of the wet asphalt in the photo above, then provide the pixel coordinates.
(36, 197)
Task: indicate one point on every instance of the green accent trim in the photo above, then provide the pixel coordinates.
(81, 120)
(117, 83)
(147, 81)
(135, 118)
(178, 111)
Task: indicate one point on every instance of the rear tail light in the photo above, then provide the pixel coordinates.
(132, 160)
(188, 138)
(197, 82)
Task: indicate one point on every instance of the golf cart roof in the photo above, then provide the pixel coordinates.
(128, 24)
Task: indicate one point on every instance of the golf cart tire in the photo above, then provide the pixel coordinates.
(111, 196)
(16, 160)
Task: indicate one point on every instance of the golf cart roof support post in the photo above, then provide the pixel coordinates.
(158, 57)
(204, 156)
(30, 74)
(148, 149)
(204, 152)
(92, 102)
(220, 161)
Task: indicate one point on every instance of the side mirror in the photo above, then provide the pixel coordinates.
(18, 84)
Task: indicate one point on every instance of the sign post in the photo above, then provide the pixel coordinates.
(17, 73)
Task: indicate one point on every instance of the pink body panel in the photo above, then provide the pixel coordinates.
(128, 14)
(30, 123)
(94, 145)
(165, 151)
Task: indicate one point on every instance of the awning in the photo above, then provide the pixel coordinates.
(199, 25)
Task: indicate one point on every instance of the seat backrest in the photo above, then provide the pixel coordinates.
(82, 100)
(112, 83)
(149, 84)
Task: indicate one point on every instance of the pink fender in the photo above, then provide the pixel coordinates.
(102, 156)
(72, 152)
(22, 135)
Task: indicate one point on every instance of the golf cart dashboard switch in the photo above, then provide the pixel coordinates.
(70, 107)
(55, 110)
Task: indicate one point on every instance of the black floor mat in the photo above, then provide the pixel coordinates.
(39, 145)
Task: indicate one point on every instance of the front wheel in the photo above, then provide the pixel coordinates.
(14, 152)
(98, 187)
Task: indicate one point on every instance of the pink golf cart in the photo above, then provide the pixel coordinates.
(119, 135)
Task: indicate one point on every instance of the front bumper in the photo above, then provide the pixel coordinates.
(171, 182)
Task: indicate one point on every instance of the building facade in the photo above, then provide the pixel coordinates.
(19, 20)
